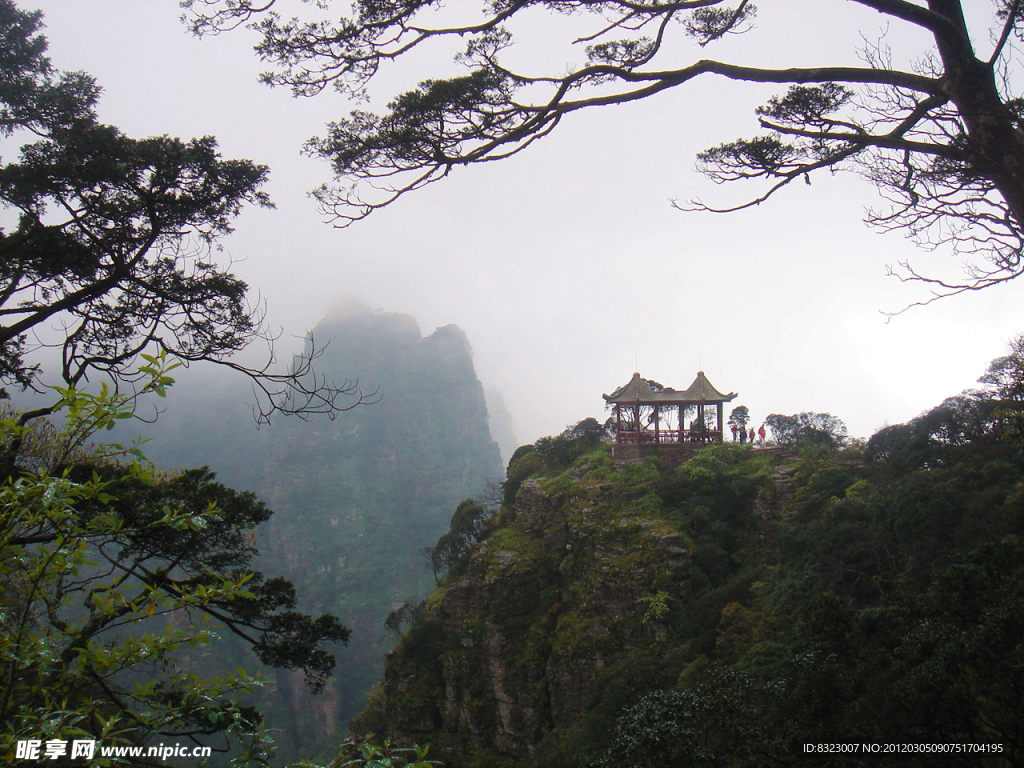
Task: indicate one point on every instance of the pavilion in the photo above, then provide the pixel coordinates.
(651, 419)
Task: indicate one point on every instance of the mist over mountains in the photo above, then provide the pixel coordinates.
(357, 498)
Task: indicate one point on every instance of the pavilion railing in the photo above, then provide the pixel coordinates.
(666, 437)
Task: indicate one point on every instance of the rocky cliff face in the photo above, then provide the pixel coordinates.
(515, 645)
(356, 498)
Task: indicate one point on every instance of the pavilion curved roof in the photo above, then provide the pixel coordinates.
(640, 391)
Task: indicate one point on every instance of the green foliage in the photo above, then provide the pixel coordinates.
(402, 616)
(29, 444)
(573, 442)
(655, 606)
(363, 753)
(723, 479)
(96, 212)
(366, 752)
(971, 423)
(470, 524)
(550, 455)
(1005, 375)
(739, 417)
(525, 462)
(696, 726)
(807, 429)
(110, 574)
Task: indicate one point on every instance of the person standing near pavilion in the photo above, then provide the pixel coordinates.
(761, 433)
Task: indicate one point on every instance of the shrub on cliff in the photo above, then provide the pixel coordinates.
(552, 454)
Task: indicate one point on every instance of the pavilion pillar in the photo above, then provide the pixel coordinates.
(618, 423)
(657, 424)
(721, 434)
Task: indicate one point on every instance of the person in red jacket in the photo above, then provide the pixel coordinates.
(760, 433)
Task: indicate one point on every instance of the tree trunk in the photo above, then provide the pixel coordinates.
(995, 146)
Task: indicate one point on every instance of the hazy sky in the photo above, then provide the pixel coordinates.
(566, 265)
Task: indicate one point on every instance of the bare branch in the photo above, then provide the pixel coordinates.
(941, 142)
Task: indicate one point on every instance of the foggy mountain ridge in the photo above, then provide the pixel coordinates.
(356, 498)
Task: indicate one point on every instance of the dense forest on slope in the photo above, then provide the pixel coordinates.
(730, 610)
(356, 498)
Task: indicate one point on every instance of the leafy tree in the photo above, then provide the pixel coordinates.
(1005, 375)
(739, 417)
(574, 441)
(940, 138)
(470, 524)
(807, 428)
(960, 425)
(364, 753)
(526, 461)
(719, 722)
(108, 572)
(403, 615)
(112, 239)
(1004, 382)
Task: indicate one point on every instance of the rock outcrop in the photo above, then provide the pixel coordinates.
(513, 646)
(358, 497)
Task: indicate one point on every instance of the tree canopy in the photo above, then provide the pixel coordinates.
(807, 428)
(108, 242)
(939, 137)
(113, 578)
(739, 417)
